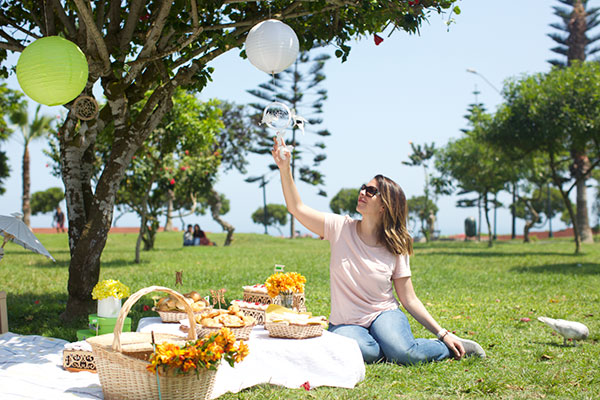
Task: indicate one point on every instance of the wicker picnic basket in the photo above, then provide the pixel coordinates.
(242, 333)
(121, 361)
(258, 315)
(299, 302)
(176, 316)
(291, 331)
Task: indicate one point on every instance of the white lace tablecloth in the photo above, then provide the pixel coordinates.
(327, 360)
(31, 366)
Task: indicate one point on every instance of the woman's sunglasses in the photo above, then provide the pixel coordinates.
(370, 191)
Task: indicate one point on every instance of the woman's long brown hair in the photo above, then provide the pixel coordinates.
(393, 232)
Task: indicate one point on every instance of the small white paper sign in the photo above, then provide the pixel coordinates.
(278, 268)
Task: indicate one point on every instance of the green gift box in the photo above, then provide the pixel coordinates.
(104, 325)
(85, 334)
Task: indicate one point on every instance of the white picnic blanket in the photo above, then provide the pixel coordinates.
(31, 366)
(327, 360)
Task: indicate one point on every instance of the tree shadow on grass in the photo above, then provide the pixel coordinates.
(564, 268)
(487, 254)
(39, 314)
(122, 262)
(557, 344)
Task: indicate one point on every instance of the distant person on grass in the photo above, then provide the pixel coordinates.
(59, 220)
(369, 261)
(200, 238)
(188, 236)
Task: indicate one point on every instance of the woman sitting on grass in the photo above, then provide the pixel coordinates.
(369, 260)
(200, 238)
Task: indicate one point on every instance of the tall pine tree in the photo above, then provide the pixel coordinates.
(298, 87)
(574, 43)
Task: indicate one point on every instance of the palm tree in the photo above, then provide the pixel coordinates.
(38, 128)
(575, 44)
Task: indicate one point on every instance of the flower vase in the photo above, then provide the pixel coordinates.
(109, 307)
(287, 299)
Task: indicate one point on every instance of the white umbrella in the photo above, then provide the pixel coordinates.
(15, 230)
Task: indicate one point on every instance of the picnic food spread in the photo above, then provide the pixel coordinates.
(230, 318)
(250, 305)
(193, 298)
(282, 315)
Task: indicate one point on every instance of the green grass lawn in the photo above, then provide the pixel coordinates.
(479, 293)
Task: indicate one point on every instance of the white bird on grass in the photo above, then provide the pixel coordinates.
(567, 329)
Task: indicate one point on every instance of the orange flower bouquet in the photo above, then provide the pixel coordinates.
(288, 283)
(204, 353)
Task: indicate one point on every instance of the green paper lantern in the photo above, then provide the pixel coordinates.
(52, 71)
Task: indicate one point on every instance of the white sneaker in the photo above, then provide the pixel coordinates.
(472, 348)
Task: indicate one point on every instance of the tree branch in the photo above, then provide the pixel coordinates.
(168, 52)
(94, 33)
(151, 39)
(12, 47)
(135, 10)
(4, 19)
(48, 19)
(216, 51)
(194, 15)
(63, 17)
(14, 44)
(100, 14)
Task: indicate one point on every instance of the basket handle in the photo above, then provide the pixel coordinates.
(192, 334)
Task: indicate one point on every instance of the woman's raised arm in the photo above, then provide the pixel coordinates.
(312, 219)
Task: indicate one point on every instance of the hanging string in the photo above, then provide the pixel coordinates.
(272, 72)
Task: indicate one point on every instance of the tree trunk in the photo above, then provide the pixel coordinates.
(572, 215)
(577, 40)
(214, 201)
(583, 222)
(580, 170)
(487, 220)
(138, 242)
(530, 223)
(479, 218)
(513, 211)
(565, 196)
(90, 211)
(149, 236)
(26, 205)
(169, 221)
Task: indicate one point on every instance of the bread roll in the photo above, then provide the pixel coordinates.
(171, 303)
(162, 304)
(193, 295)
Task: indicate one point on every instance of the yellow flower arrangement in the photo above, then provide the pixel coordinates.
(108, 288)
(291, 282)
(204, 353)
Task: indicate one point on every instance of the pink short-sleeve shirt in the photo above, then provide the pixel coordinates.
(361, 276)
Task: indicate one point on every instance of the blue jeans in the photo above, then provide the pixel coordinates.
(389, 338)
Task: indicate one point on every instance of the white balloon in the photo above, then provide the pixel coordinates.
(272, 46)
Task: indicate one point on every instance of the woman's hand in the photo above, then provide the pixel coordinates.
(454, 345)
(276, 152)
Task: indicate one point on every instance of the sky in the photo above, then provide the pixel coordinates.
(410, 88)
